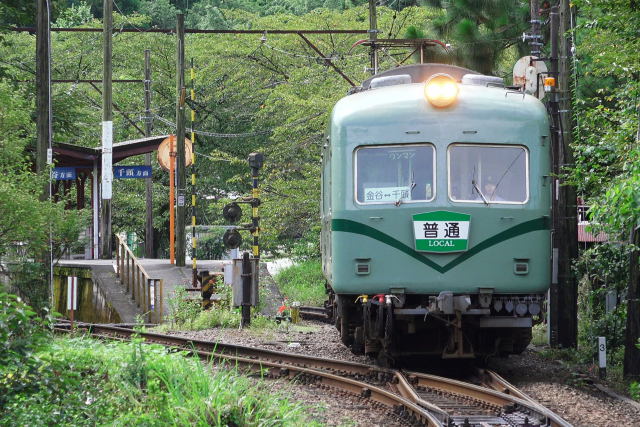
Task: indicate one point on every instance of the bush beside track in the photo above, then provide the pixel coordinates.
(83, 382)
(303, 282)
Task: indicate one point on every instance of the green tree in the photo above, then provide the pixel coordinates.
(482, 32)
(161, 12)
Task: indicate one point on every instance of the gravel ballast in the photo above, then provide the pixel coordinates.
(549, 382)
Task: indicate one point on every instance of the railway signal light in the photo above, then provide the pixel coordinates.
(232, 212)
(256, 160)
(232, 239)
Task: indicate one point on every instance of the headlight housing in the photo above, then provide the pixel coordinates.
(441, 90)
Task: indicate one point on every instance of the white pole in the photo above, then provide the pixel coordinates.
(602, 356)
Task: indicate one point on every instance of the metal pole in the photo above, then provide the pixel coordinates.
(554, 303)
(194, 242)
(180, 134)
(172, 220)
(373, 35)
(568, 248)
(255, 214)
(148, 128)
(246, 290)
(107, 131)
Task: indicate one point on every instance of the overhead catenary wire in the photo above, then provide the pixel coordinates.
(239, 135)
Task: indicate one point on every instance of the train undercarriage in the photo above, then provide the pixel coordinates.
(392, 326)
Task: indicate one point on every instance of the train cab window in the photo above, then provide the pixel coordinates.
(394, 174)
(488, 173)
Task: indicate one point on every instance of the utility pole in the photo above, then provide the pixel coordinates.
(107, 131)
(568, 331)
(148, 128)
(43, 85)
(180, 134)
(535, 38)
(563, 293)
(373, 36)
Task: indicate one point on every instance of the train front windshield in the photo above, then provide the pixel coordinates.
(394, 173)
(488, 174)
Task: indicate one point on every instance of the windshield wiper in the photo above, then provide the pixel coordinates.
(411, 187)
(475, 186)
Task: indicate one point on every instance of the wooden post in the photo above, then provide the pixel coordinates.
(107, 131)
(134, 279)
(148, 128)
(118, 260)
(180, 161)
(161, 300)
(128, 272)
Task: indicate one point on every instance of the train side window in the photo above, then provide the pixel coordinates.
(488, 173)
(394, 173)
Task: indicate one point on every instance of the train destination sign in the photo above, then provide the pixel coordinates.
(441, 231)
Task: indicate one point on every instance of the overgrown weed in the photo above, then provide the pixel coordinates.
(303, 282)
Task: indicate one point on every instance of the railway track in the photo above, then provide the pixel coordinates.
(415, 398)
(315, 313)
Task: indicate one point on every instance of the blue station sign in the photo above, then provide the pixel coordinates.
(64, 173)
(69, 173)
(124, 172)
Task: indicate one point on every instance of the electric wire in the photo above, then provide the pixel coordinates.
(239, 135)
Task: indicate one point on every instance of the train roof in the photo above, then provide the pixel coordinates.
(400, 99)
(417, 73)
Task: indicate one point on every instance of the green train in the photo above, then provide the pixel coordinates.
(435, 212)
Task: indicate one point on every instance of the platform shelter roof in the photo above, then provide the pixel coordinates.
(75, 155)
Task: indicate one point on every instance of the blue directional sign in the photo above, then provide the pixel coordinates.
(64, 174)
(124, 172)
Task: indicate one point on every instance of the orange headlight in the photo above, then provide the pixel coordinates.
(441, 90)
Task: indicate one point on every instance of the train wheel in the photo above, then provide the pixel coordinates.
(343, 316)
(357, 347)
(521, 339)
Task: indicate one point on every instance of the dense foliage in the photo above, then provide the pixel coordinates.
(607, 111)
(272, 95)
(28, 223)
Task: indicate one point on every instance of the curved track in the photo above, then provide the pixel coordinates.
(417, 398)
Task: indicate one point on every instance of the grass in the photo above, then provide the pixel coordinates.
(539, 333)
(84, 382)
(303, 282)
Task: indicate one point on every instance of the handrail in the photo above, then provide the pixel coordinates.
(146, 291)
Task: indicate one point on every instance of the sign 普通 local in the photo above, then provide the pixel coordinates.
(441, 231)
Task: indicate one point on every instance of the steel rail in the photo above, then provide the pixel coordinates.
(490, 396)
(498, 395)
(314, 313)
(400, 405)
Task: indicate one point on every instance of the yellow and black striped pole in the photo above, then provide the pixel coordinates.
(256, 161)
(194, 242)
